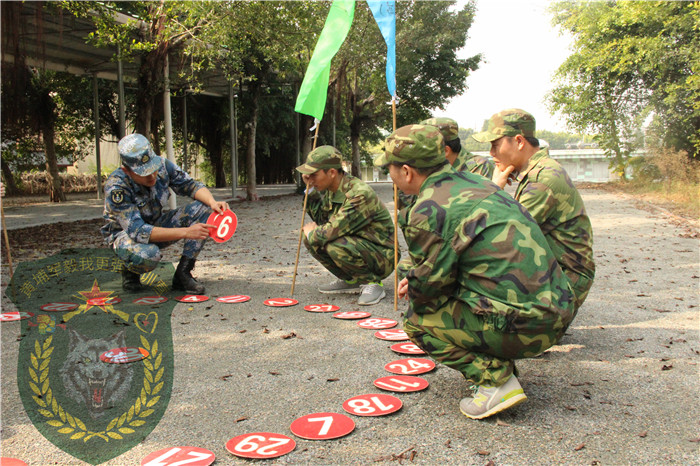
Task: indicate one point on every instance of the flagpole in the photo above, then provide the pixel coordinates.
(303, 214)
(396, 224)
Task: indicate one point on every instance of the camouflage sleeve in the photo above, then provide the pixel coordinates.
(539, 200)
(180, 181)
(119, 206)
(351, 217)
(484, 168)
(432, 274)
(314, 207)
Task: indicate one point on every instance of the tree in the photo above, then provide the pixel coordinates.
(631, 60)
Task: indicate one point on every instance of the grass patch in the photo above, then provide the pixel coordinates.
(680, 198)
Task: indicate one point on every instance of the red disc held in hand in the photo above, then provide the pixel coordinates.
(175, 456)
(410, 366)
(104, 301)
(322, 426)
(321, 308)
(391, 335)
(373, 404)
(351, 315)
(123, 355)
(150, 300)
(225, 224)
(280, 302)
(377, 323)
(401, 383)
(407, 348)
(192, 298)
(58, 307)
(234, 298)
(15, 315)
(260, 445)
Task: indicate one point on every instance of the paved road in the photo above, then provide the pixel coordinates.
(622, 388)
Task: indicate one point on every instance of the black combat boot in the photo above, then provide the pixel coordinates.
(131, 281)
(182, 280)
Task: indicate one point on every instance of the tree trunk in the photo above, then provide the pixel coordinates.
(355, 144)
(9, 180)
(55, 188)
(251, 192)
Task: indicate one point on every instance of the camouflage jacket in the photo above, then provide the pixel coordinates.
(547, 192)
(468, 162)
(471, 243)
(353, 210)
(134, 208)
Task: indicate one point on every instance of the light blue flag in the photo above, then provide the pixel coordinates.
(384, 12)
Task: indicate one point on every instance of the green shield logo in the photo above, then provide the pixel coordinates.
(92, 409)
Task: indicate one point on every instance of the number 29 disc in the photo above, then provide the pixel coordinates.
(225, 224)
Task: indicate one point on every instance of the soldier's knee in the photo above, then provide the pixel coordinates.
(141, 260)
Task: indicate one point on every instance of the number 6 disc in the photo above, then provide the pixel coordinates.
(260, 445)
(225, 224)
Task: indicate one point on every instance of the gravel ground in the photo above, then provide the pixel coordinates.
(622, 388)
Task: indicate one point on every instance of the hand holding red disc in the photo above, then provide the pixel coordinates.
(225, 224)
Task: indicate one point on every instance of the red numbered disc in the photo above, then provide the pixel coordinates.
(322, 426)
(104, 301)
(11, 462)
(321, 308)
(401, 383)
(280, 302)
(410, 366)
(391, 335)
(407, 348)
(123, 355)
(193, 456)
(192, 298)
(15, 315)
(234, 298)
(373, 404)
(225, 224)
(58, 307)
(260, 445)
(351, 315)
(151, 300)
(377, 323)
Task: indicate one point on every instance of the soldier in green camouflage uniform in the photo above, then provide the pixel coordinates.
(546, 191)
(461, 159)
(484, 288)
(352, 232)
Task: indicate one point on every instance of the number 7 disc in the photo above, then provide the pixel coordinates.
(322, 426)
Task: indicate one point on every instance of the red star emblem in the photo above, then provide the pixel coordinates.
(96, 297)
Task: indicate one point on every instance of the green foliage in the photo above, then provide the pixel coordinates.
(631, 60)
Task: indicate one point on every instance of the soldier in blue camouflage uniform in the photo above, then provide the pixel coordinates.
(351, 234)
(546, 191)
(484, 288)
(138, 226)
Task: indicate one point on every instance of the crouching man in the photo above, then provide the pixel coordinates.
(484, 288)
(138, 226)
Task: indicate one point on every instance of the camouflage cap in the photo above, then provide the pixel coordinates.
(416, 145)
(136, 153)
(447, 126)
(509, 122)
(323, 157)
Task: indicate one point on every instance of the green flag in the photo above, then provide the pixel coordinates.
(312, 94)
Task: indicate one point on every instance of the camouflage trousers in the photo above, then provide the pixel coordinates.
(141, 258)
(472, 344)
(351, 258)
(580, 285)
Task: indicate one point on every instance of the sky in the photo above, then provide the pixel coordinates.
(521, 52)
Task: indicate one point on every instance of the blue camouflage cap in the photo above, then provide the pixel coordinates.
(137, 154)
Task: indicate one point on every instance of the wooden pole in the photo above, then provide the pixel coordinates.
(396, 224)
(303, 214)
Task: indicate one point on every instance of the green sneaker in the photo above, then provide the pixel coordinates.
(372, 293)
(340, 286)
(488, 400)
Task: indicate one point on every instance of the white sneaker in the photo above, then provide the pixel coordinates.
(340, 286)
(372, 293)
(488, 400)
